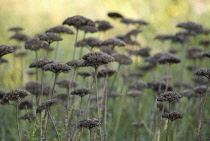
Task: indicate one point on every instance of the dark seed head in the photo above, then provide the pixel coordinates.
(66, 83)
(89, 123)
(90, 29)
(113, 42)
(169, 96)
(60, 30)
(49, 37)
(169, 58)
(115, 15)
(16, 95)
(96, 59)
(106, 72)
(45, 105)
(122, 59)
(103, 25)
(4, 49)
(81, 92)
(56, 67)
(74, 63)
(33, 87)
(40, 63)
(203, 72)
(78, 21)
(91, 42)
(20, 37)
(25, 105)
(172, 115)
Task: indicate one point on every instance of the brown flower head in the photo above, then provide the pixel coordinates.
(78, 21)
(115, 15)
(89, 123)
(169, 58)
(84, 74)
(180, 39)
(113, 42)
(138, 85)
(45, 105)
(74, 63)
(146, 68)
(106, 72)
(15, 95)
(164, 37)
(91, 42)
(137, 124)
(144, 52)
(128, 40)
(127, 21)
(188, 93)
(134, 93)
(65, 83)
(191, 26)
(96, 59)
(154, 59)
(201, 80)
(169, 96)
(103, 25)
(194, 53)
(122, 59)
(203, 72)
(2, 61)
(134, 32)
(206, 54)
(49, 37)
(16, 29)
(141, 22)
(113, 94)
(182, 85)
(25, 105)
(172, 115)
(81, 92)
(60, 30)
(107, 50)
(35, 44)
(61, 97)
(205, 43)
(4, 49)
(40, 63)
(30, 117)
(33, 87)
(159, 85)
(56, 67)
(20, 54)
(90, 29)
(201, 90)
(20, 37)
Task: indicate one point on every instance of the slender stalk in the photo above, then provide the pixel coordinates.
(97, 101)
(81, 49)
(18, 124)
(41, 132)
(56, 51)
(36, 58)
(105, 105)
(42, 88)
(66, 120)
(46, 124)
(202, 105)
(21, 76)
(48, 111)
(168, 130)
(166, 89)
(91, 137)
(75, 43)
(52, 92)
(80, 107)
(115, 78)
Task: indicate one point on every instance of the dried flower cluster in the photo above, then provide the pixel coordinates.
(172, 115)
(89, 123)
(45, 105)
(169, 96)
(81, 92)
(56, 67)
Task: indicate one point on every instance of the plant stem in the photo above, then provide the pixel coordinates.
(48, 111)
(56, 51)
(105, 105)
(52, 92)
(18, 124)
(46, 124)
(166, 89)
(75, 43)
(42, 88)
(36, 58)
(97, 101)
(41, 133)
(168, 130)
(202, 105)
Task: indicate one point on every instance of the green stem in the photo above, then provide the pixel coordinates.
(75, 43)
(18, 124)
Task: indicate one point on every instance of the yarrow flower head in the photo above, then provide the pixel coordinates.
(89, 123)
